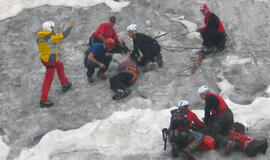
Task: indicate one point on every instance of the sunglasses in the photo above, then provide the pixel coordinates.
(203, 11)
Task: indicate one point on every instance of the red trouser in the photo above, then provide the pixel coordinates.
(243, 139)
(50, 68)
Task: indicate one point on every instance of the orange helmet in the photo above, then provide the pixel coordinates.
(109, 42)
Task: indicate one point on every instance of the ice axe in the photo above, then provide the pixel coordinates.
(165, 137)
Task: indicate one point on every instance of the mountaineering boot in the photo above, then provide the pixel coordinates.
(66, 86)
(187, 154)
(90, 79)
(256, 146)
(46, 104)
(159, 61)
(148, 67)
(209, 50)
(174, 150)
(101, 75)
(121, 94)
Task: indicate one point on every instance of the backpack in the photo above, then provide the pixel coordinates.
(179, 119)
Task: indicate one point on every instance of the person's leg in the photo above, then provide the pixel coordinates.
(49, 75)
(221, 41)
(61, 72)
(90, 70)
(118, 83)
(106, 61)
(196, 139)
(206, 36)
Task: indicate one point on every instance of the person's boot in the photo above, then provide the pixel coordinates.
(46, 104)
(187, 154)
(66, 86)
(148, 67)
(174, 150)
(255, 147)
(101, 75)
(159, 61)
(121, 94)
(90, 79)
(209, 50)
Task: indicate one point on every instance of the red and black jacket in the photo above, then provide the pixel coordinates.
(215, 104)
(182, 120)
(212, 23)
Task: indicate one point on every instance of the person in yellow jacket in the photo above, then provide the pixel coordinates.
(47, 45)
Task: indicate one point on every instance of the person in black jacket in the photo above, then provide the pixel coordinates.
(148, 46)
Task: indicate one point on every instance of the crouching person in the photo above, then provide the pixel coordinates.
(180, 135)
(127, 75)
(99, 56)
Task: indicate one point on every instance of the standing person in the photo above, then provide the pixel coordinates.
(48, 48)
(148, 46)
(180, 134)
(221, 121)
(127, 75)
(99, 56)
(106, 30)
(213, 32)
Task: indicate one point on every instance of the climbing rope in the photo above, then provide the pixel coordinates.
(189, 71)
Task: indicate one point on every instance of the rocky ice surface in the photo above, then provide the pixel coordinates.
(86, 124)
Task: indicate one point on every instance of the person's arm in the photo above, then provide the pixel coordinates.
(59, 37)
(210, 101)
(213, 22)
(137, 42)
(193, 117)
(101, 31)
(92, 58)
(205, 25)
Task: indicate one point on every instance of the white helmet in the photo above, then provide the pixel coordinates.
(132, 28)
(203, 90)
(183, 103)
(48, 26)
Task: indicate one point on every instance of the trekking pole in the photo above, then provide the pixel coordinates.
(165, 137)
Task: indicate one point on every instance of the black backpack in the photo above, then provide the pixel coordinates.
(179, 119)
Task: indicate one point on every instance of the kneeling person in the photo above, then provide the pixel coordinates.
(180, 134)
(148, 46)
(127, 75)
(99, 56)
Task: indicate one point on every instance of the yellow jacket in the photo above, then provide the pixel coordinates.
(47, 45)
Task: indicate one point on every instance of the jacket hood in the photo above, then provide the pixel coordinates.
(43, 33)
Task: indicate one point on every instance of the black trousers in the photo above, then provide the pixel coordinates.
(219, 127)
(106, 60)
(149, 54)
(120, 81)
(117, 49)
(213, 39)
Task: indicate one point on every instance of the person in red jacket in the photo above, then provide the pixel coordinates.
(213, 32)
(180, 135)
(106, 30)
(221, 121)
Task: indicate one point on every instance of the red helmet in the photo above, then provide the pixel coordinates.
(109, 42)
(204, 7)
